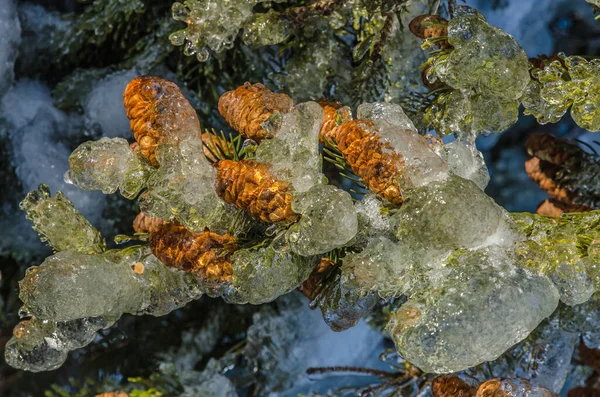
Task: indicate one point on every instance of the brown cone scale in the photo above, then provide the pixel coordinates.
(247, 107)
(451, 386)
(251, 186)
(206, 254)
(373, 160)
(157, 110)
(145, 224)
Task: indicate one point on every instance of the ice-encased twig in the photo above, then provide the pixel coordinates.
(72, 295)
(58, 222)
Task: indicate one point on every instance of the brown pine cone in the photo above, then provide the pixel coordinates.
(330, 118)
(158, 111)
(451, 386)
(429, 26)
(492, 388)
(206, 254)
(145, 224)
(250, 185)
(543, 173)
(551, 149)
(373, 160)
(582, 391)
(247, 107)
(556, 208)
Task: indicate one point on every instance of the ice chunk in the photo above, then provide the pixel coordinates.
(104, 109)
(328, 220)
(60, 224)
(108, 165)
(261, 275)
(266, 29)
(343, 303)
(384, 267)
(485, 59)
(573, 283)
(477, 311)
(450, 214)
(467, 162)
(373, 217)
(183, 188)
(43, 345)
(293, 153)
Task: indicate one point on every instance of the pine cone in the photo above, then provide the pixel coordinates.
(492, 388)
(247, 107)
(551, 149)
(556, 208)
(250, 185)
(206, 254)
(330, 119)
(582, 391)
(374, 161)
(423, 26)
(158, 111)
(451, 386)
(145, 224)
(544, 173)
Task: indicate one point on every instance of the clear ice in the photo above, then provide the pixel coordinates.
(108, 165)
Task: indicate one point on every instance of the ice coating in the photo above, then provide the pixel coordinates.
(483, 306)
(266, 29)
(214, 25)
(108, 165)
(183, 189)
(423, 164)
(293, 153)
(384, 267)
(328, 220)
(565, 82)
(58, 222)
(487, 72)
(467, 162)
(44, 345)
(485, 59)
(261, 275)
(450, 214)
(48, 291)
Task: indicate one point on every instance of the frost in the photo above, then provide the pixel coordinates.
(328, 220)
(293, 153)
